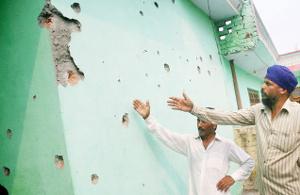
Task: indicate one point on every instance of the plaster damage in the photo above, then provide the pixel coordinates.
(60, 28)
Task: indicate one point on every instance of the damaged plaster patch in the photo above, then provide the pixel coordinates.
(76, 7)
(60, 28)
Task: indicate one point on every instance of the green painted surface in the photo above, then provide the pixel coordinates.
(38, 135)
(120, 44)
(117, 51)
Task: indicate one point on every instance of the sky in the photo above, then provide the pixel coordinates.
(282, 21)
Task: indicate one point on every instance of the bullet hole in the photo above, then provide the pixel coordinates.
(179, 57)
(119, 80)
(60, 29)
(157, 52)
(209, 73)
(102, 61)
(210, 56)
(76, 7)
(115, 115)
(254, 71)
(59, 161)
(187, 60)
(158, 85)
(125, 120)
(248, 35)
(141, 13)
(94, 178)
(146, 75)
(190, 80)
(156, 4)
(173, 1)
(145, 51)
(9, 133)
(6, 171)
(199, 69)
(200, 58)
(143, 184)
(34, 97)
(167, 67)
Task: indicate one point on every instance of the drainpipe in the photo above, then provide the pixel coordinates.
(236, 86)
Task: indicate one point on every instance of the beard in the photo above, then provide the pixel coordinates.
(268, 100)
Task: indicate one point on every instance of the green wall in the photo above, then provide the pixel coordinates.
(27, 71)
(117, 50)
(120, 44)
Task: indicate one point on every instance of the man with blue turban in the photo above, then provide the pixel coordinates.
(277, 129)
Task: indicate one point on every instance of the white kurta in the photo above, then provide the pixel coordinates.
(206, 166)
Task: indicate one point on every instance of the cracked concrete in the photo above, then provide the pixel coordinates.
(60, 29)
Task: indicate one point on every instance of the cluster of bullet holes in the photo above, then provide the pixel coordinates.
(76, 7)
(9, 133)
(155, 4)
(59, 161)
(167, 67)
(6, 171)
(94, 179)
(125, 120)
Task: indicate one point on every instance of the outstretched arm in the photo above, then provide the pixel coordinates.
(240, 117)
(174, 141)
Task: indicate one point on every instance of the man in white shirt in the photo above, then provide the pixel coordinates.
(208, 154)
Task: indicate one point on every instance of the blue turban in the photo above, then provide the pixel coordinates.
(282, 76)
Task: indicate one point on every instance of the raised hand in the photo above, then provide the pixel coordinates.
(184, 104)
(225, 183)
(141, 108)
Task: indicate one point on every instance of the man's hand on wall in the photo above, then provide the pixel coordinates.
(142, 108)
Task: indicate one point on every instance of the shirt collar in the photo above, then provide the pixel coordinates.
(286, 106)
(217, 137)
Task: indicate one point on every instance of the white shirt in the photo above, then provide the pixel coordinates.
(206, 166)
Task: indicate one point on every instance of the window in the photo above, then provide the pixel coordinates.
(253, 96)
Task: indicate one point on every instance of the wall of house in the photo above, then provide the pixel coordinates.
(31, 128)
(126, 50)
